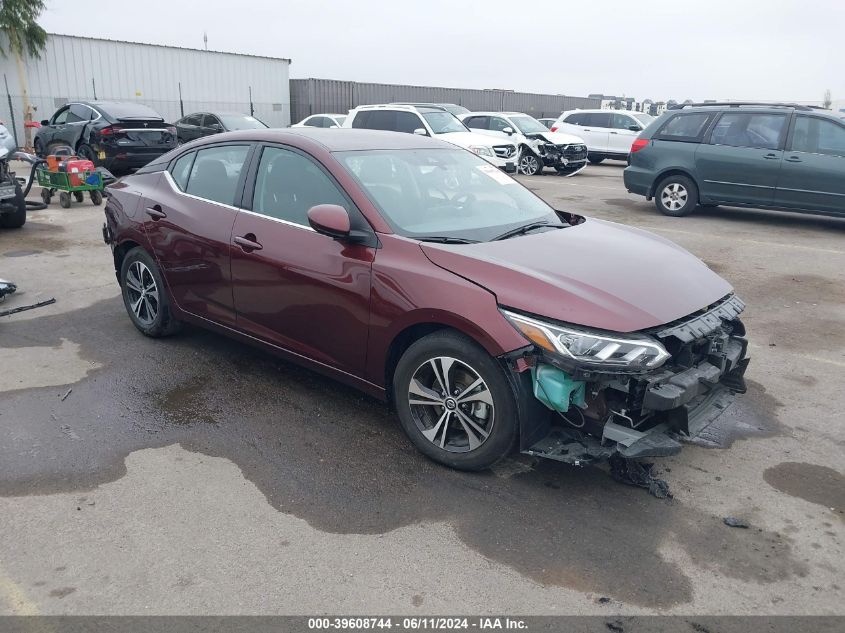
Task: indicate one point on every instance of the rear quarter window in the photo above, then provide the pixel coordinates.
(685, 127)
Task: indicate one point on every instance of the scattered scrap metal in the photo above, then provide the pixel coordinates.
(735, 522)
(9, 287)
(634, 473)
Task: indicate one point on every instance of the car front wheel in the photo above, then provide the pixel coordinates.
(676, 196)
(454, 402)
(145, 295)
(530, 164)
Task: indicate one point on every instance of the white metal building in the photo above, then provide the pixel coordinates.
(83, 68)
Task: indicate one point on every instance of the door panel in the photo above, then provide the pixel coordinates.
(742, 161)
(190, 233)
(812, 175)
(301, 290)
(596, 132)
(620, 137)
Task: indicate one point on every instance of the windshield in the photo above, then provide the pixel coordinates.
(444, 193)
(443, 122)
(454, 109)
(642, 117)
(528, 125)
(240, 122)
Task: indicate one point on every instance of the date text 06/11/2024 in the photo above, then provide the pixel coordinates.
(416, 623)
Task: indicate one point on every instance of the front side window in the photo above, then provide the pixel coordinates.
(407, 122)
(315, 121)
(60, 118)
(684, 126)
(443, 122)
(216, 171)
(742, 129)
(209, 121)
(818, 136)
(194, 119)
(498, 124)
(443, 193)
(288, 184)
(339, 120)
(181, 169)
(236, 122)
(622, 122)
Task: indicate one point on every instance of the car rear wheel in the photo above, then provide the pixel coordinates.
(454, 402)
(676, 196)
(530, 164)
(38, 146)
(15, 218)
(145, 295)
(86, 152)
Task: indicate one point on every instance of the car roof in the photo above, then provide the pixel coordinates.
(333, 139)
(491, 113)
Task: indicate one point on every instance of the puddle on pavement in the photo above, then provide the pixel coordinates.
(22, 253)
(325, 453)
(810, 482)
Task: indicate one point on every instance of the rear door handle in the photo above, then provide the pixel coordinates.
(614, 132)
(794, 159)
(155, 212)
(770, 156)
(248, 243)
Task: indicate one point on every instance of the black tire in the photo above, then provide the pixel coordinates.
(79, 196)
(134, 267)
(676, 196)
(96, 198)
(469, 361)
(38, 146)
(46, 196)
(64, 199)
(85, 151)
(16, 218)
(595, 160)
(530, 164)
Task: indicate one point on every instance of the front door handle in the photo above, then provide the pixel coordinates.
(248, 243)
(614, 132)
(770, 156)
(794, 159)
(155, 212)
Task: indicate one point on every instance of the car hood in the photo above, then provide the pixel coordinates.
(596, 274)
(465, 139)
(558, 138)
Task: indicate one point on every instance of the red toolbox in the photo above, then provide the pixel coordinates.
(76, 168)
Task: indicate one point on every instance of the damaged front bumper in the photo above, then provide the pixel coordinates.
(580, 415)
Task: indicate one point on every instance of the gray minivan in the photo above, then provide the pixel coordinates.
(772, 156)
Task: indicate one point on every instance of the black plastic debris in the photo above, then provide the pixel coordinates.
(40, 304)
(735, 522)
(634, 473)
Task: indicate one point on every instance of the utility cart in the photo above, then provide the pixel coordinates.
(69, 175)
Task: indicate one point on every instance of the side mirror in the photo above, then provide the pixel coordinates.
(421, 131)
(45, 122)
(330, 219)
(634, 128)
(508, 130)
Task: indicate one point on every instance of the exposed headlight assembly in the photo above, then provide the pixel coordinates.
(481, 150)
(599, 350)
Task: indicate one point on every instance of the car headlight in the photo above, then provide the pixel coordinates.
(481, 150)
(631, 351)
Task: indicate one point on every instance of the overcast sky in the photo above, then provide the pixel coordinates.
(658, 49)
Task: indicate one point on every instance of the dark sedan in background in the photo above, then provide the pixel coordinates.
(117, 135)
(200, 124)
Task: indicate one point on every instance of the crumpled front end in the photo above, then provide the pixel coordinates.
(566, 158)
(588, 413)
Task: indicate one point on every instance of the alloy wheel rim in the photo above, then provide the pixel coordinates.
(528, 165)
(142, 292)
(451, 404)
(674, 196)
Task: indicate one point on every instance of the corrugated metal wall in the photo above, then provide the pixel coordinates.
(310, 96)
(73, 68)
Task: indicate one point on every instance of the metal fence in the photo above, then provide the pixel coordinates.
(311, 96)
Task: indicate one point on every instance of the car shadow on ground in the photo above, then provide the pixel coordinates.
(329, 455)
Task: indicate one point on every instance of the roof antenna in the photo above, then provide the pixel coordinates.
(205, 39)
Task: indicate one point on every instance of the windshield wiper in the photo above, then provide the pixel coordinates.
(525, 228)
(445, 239)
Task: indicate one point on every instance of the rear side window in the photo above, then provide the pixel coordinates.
(684, 127)
(476, 122)
(579, 118)
(742, 129)
(598, 119)
(181, 169)
(216, 171)
(818, 136)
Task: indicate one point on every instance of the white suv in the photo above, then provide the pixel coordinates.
(538, 146)
(432, 120)
(608, 133)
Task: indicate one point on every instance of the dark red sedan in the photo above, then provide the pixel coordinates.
(419, 273)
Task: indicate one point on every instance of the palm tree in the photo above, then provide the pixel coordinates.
(24, 37)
